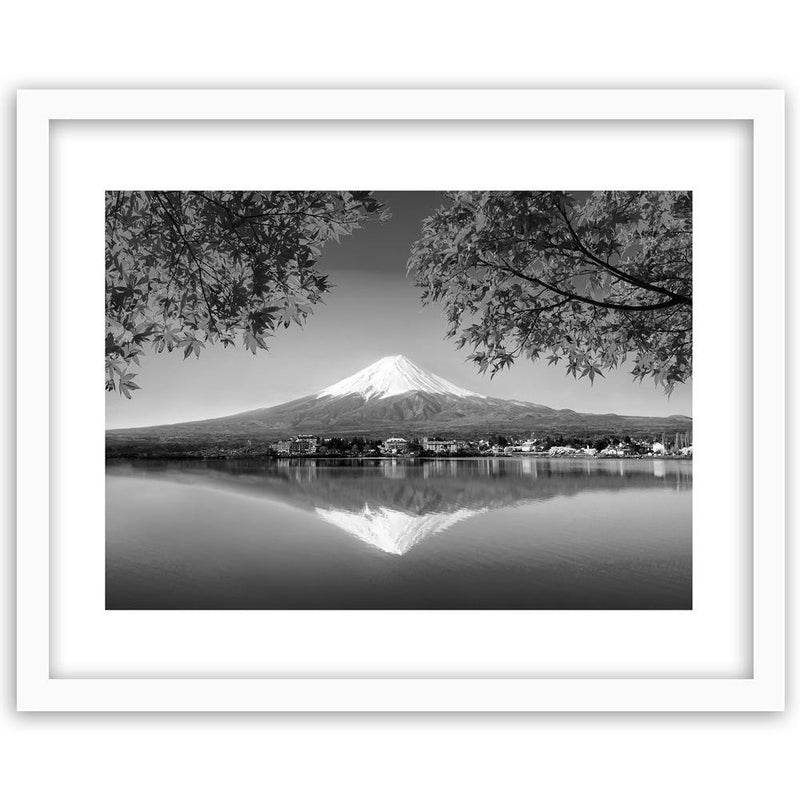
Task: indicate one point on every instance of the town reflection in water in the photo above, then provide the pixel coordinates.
(392, 505)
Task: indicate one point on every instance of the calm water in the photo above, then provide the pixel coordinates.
(478, 533)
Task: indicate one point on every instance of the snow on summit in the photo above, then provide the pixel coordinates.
(391, 376)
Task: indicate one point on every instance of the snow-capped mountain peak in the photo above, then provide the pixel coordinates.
(390, 376)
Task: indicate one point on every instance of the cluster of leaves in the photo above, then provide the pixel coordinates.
(588, 279)
(191, 269)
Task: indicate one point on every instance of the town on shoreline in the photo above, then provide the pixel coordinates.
(676, 445)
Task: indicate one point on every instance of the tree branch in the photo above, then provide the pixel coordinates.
(581, 298)
(614, 271)
(177, 229)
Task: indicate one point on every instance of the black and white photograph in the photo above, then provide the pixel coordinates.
(398, 400)
(446, 419)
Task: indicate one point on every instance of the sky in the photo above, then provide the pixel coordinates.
(372, 311)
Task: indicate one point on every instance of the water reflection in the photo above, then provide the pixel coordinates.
(393, 505)
(398, 534)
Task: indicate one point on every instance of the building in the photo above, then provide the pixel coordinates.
(395, 444)
(304, 445)
(442, 445)
(300, 445)
(307, 443)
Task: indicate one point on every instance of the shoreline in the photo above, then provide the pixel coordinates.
(450, 457)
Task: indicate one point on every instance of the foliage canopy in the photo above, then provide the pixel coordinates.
(589, 279)
(191, 269)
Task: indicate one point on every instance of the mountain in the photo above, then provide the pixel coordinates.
(393, 396)
(392, 376)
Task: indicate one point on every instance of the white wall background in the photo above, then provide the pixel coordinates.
(367, 44)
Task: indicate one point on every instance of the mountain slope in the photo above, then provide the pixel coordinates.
(395, 396)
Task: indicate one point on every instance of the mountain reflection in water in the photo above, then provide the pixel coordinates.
(395, 507)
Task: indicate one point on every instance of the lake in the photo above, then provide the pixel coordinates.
(505, 533)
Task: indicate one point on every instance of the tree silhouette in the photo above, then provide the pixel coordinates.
(589, 279)
(189, 269)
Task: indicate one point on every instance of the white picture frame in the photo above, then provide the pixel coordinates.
(39, 690)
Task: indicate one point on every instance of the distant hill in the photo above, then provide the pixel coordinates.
(393, 396)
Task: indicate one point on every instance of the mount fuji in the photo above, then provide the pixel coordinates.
(391, 376)
(392, 396)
